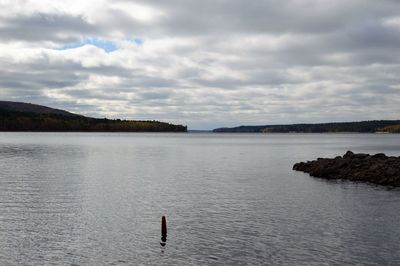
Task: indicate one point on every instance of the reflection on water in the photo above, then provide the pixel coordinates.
(230, 199)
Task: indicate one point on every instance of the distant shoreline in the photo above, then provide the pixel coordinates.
(206, 132)
(276, 133)
(373, 126)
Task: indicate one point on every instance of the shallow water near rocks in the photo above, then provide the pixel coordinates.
(98, 199)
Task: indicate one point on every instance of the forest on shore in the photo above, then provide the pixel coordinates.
(29, 117)
(374, 126)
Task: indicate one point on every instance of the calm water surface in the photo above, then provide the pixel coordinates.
(97, 199)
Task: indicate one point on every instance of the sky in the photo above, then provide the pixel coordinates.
(205, 64)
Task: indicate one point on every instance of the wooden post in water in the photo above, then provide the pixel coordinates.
(163, 231)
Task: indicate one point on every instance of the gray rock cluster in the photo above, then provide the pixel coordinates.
(379, 168)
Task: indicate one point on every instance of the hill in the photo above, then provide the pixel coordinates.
(355, 127)
(32, 108)
(17, 116)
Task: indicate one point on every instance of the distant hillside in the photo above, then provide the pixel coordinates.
(356, 127)
(32, 108)
(17, 116)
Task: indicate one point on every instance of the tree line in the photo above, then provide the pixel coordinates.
(21, 121)
(356, 127)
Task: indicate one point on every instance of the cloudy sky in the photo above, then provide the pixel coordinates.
(205, 63)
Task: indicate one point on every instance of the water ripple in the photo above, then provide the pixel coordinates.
(97, 199)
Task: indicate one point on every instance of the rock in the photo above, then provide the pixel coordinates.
(378, 168)
(361, 155)
(348, 154)
(379, 156)
(390, 171)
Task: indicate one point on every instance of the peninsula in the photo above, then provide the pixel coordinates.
(378, 169)
(18, 116)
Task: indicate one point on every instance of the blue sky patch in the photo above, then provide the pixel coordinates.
(107, 46)
(138, 41)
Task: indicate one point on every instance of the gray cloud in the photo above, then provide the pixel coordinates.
(39, 27)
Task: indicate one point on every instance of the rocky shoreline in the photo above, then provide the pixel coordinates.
(378, 169)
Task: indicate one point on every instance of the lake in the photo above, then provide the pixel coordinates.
(98, 199)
